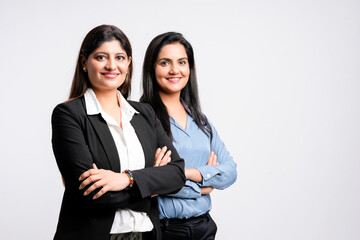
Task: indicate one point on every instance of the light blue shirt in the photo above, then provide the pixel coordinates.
(194, 146)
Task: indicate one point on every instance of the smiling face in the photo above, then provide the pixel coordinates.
(107, 66)
(172, 69)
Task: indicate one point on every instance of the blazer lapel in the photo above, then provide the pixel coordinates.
(106, 140)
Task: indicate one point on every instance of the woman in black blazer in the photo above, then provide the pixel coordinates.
(87, 153)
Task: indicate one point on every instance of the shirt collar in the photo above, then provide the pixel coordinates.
(93, 106)
(187, 109)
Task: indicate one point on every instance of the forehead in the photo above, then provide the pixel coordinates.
(173, 50)
(112, 46)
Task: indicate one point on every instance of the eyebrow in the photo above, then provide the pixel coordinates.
(107, 53)
(168, 59)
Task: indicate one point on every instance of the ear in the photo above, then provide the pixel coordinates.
(83, 61)
(129, 60)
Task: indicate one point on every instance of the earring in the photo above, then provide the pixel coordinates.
(84, 68)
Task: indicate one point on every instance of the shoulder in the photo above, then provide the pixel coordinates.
(143, 108)
(75, 107)
(206, 122)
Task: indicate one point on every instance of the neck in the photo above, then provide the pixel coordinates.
(170, 100)
(107, 98)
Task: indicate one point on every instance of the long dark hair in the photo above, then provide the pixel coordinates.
(92, 41)
(189, 94)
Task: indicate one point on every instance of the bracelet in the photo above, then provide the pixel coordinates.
(127, 171)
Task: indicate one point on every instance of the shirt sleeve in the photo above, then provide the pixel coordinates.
(190, 190)
(224, 174)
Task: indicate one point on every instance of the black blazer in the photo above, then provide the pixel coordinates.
(79, 141)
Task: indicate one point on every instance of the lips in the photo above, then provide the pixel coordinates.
(174, 79)
(110, 74)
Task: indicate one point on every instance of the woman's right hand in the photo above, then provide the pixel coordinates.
(162, 157)
(107, 180)
(212, 160)
(195, 175)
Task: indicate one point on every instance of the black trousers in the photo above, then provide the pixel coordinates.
(196, 228)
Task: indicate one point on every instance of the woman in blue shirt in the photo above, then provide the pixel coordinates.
(170, 87)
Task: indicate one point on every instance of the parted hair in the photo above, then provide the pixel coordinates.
(92, 41)
(189, 94)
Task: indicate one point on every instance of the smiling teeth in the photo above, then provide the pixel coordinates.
(111, 75)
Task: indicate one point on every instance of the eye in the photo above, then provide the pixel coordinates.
(120, 57)
(183, 62)
(100, 57)
(164, 63)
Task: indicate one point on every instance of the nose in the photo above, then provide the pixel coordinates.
(174, 69)
(110, 65)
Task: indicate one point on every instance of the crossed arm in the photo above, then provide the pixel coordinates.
(219, 172)
(108, 180)
(75, 161)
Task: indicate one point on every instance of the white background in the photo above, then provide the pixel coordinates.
(280, 80)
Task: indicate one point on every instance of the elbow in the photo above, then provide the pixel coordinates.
(233, 175)
(181, 181)
(228, 179)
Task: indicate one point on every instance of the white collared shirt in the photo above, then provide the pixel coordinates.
(131, 157)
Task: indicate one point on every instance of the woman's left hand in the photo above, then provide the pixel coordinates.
(107, 180)
(206, 190)
(162, 157)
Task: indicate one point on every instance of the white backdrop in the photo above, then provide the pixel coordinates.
(279, 80)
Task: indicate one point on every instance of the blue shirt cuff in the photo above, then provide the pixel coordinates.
(208, 172)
